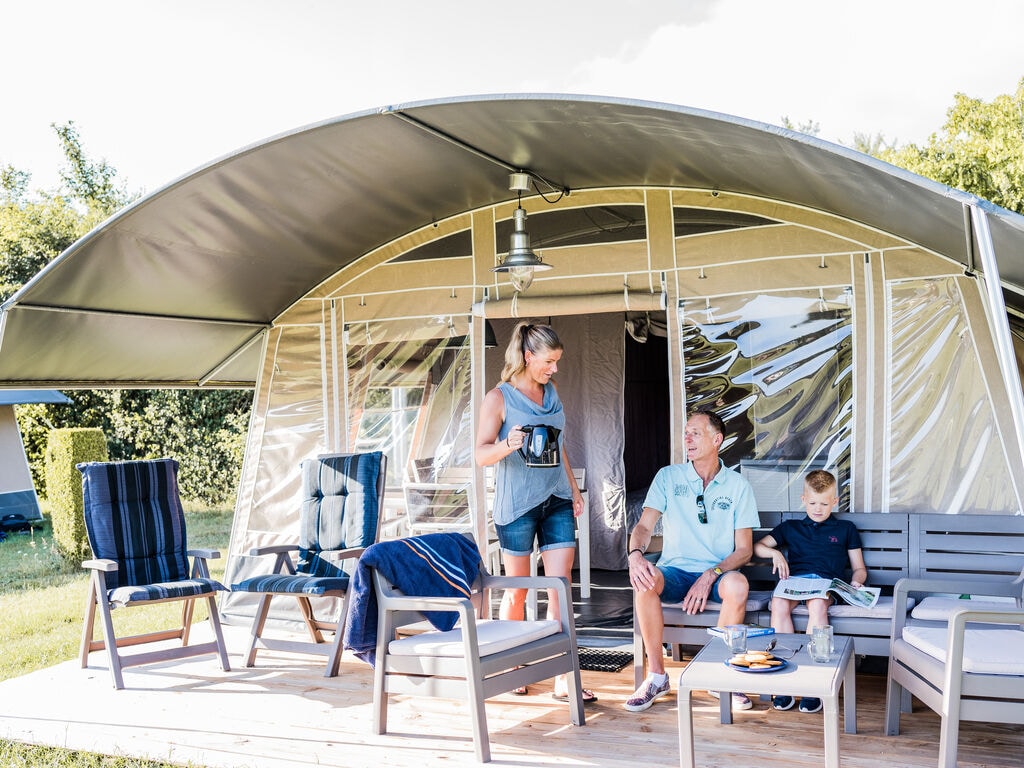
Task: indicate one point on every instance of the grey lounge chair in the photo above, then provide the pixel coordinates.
(970, 669)
(477, 659)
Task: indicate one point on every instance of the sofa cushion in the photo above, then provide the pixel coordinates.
(493, 636)
(881, 610)
(936, 608)
(986, 651)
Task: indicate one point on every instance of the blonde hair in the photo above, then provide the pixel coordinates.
(819, 481)
(527, 336)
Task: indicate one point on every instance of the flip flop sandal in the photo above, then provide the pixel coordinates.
(589, 697)
(520, 691)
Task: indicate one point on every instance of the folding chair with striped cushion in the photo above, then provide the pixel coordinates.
(136, 529)
(342, 498)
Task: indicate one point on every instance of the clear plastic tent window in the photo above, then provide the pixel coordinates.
(951, 457)
(778, 368)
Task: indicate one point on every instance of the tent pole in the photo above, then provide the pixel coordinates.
(1000, 325)
(476, 392)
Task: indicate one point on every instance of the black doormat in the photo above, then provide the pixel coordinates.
(603, 660)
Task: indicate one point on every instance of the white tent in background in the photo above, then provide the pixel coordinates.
(836, 310)
(17, 491)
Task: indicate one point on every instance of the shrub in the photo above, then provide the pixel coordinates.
(66, 448)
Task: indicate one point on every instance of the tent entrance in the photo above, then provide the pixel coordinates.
(647, 419)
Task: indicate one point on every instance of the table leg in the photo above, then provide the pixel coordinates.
(850, 696)
(831, 718)
(725, 707)
(684, 705)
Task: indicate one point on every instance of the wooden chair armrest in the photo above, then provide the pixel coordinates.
(342, 554)
(273, 549)
(526, 582)
(557, 583)
(206, 554)
(406, 603)
(967, 616)
(107, 566)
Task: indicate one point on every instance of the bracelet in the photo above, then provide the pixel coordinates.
(508, 443)
(635, 549)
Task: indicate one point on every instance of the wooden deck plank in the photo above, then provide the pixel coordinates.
(284, 712)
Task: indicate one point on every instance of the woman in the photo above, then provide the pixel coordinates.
(530, 503)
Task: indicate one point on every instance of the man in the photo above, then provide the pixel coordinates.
(709, 515)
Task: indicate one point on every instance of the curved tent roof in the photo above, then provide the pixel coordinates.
(176, 289)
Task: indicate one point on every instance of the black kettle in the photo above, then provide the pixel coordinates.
(540, 447)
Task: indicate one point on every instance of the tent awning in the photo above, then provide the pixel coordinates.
(177, 289)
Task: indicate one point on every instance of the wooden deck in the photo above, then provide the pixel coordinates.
(285, 713)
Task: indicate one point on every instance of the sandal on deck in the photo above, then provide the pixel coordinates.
(520, 691)
(589, 697)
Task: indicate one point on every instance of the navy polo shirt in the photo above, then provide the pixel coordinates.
(821, 548)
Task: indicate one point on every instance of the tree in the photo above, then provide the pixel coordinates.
(32, 232)
(980, 149)
(810, 127)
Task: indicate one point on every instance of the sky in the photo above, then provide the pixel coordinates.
(158, 88)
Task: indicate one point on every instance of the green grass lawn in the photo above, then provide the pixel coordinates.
(44, 601)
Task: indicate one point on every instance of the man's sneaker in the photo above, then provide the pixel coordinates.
(809, 705)
(739, 700)
(782, 703)
(646, 694)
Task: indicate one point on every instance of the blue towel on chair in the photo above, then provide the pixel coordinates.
(434, 565)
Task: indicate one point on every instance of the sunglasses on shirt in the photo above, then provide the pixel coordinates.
(702, 512)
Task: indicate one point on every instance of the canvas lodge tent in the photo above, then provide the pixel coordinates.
(837, 311)
(18, 501)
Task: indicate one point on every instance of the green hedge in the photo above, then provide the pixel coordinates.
(64, 449)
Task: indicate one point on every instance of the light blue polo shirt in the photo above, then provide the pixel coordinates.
(689, 544)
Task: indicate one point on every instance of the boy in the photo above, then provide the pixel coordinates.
(818, 546)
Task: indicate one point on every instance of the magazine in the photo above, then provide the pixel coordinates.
(753, 630)
(797, 588)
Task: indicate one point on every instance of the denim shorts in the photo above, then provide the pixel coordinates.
(678, 583)
(550, 523)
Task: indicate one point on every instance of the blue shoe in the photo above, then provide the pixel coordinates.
(782, 703)
(809, 705)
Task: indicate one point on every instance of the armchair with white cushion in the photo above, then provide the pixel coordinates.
(476, 659)
(969, 666)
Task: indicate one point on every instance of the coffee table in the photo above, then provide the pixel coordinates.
(801, 677)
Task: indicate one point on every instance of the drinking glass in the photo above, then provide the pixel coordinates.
(736, 638)
(822, 644)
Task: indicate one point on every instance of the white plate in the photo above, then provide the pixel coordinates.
(775, 668)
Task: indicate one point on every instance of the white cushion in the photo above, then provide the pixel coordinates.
(882, 609)
(493, 636)
(934, 608)
(756, 601)
(986, 651)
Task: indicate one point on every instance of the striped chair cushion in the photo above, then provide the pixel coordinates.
(286, 584)
(339, 509)
(143, 592)
(133, 515)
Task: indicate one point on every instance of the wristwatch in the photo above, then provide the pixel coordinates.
(717, 571)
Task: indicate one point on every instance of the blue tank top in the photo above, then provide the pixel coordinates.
(517, 487)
